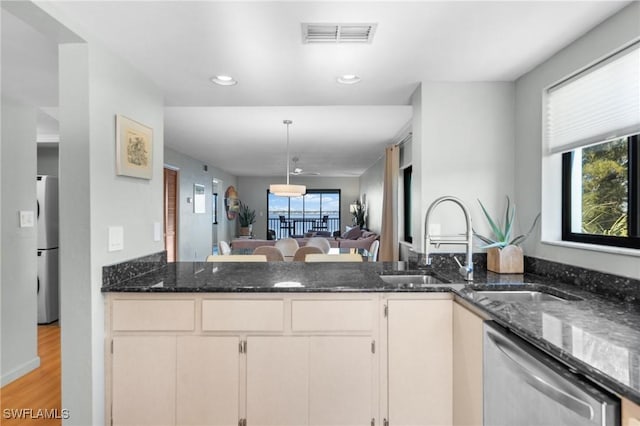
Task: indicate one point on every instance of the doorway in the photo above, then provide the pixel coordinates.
(215, 188)
(170, 213)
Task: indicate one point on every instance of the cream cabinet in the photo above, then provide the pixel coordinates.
(277, 380)
(310, 380)
(630, 413)
(167, 380)
(234, 359)
(467, 367)
(419, 360)
(293, 359)
(207, 380)
(143, 380)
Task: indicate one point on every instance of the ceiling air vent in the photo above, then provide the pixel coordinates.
(338, 33)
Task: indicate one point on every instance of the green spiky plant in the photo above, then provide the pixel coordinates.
(246, 216)
(502, 231)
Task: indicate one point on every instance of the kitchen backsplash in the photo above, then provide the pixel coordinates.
(124, 271)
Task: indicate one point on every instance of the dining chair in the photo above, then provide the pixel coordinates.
(322, 223)
(272, 253)
(237, 258)
(320, 242)
(302, 252)
(350, 257)
(287, 246)
(224, 248)
(285, 224)
(373, 250)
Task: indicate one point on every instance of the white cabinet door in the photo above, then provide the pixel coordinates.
(467, 368)
(420, 362)
(341, 387)
(208, 380)
(277, 381)
(144, 380)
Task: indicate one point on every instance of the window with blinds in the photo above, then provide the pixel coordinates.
(600, 103)
(593, 121)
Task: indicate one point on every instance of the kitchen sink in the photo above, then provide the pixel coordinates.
(411, 281)
(518, 296)
(525, 296)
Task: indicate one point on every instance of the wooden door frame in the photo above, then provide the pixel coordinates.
(164, 208)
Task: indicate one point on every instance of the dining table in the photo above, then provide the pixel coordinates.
(366, 255)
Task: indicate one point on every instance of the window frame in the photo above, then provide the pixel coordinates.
(633, 213)
(310, 191)
(215, 208)
(407, 180)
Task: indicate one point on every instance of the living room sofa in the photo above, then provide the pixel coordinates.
(353, 238)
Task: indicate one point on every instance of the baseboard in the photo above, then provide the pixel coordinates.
(16, 373)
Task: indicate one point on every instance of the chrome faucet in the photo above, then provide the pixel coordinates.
(467, 270)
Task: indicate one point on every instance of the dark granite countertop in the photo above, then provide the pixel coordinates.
(596, 335)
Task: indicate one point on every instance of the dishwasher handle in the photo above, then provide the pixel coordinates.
(567, 400)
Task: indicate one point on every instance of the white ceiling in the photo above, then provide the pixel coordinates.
(337, 130)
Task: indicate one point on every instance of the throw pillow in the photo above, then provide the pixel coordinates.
(352, 234)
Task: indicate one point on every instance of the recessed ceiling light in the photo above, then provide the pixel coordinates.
(224, 80)
(349, 79)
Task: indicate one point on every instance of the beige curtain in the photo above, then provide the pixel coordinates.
(389, 235)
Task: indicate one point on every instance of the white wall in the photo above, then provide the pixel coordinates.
(602, 40)
(417, 173)
(18, 276)
(371, 186)
(253, 191)
(194, 230)
(466, 150)
(95, 86)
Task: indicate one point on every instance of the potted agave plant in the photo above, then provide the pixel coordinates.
(504, 255)
(246, 217)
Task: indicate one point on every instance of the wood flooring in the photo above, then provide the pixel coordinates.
(36, 395)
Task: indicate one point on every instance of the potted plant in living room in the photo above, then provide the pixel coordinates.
(504, 255)
(246, 217)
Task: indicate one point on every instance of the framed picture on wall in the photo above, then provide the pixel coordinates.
(134, 148)
(198, 199)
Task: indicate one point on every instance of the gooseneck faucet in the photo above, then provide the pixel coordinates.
(467, 270)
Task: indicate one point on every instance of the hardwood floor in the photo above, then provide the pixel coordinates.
(36, 396)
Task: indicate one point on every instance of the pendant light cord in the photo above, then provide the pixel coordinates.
(287, 122)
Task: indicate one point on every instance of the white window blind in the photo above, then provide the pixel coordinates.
(598, 104)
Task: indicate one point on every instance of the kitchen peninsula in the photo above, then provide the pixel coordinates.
(295, 343)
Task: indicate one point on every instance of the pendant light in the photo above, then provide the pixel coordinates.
(287, 190)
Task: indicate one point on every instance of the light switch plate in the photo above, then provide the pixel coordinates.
(27, 219)
(116, 238)
(157, 231)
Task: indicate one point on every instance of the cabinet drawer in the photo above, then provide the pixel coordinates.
(153, 315)
(332, 315)
(242, 315)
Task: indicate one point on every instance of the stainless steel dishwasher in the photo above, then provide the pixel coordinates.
(525, 387)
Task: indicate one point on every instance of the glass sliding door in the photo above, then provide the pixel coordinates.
(316, 211)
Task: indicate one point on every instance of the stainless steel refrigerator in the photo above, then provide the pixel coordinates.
(48, 289)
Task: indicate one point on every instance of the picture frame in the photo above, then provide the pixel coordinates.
(134, 148)
(198, 198)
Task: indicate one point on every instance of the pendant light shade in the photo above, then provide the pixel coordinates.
(287, 190)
